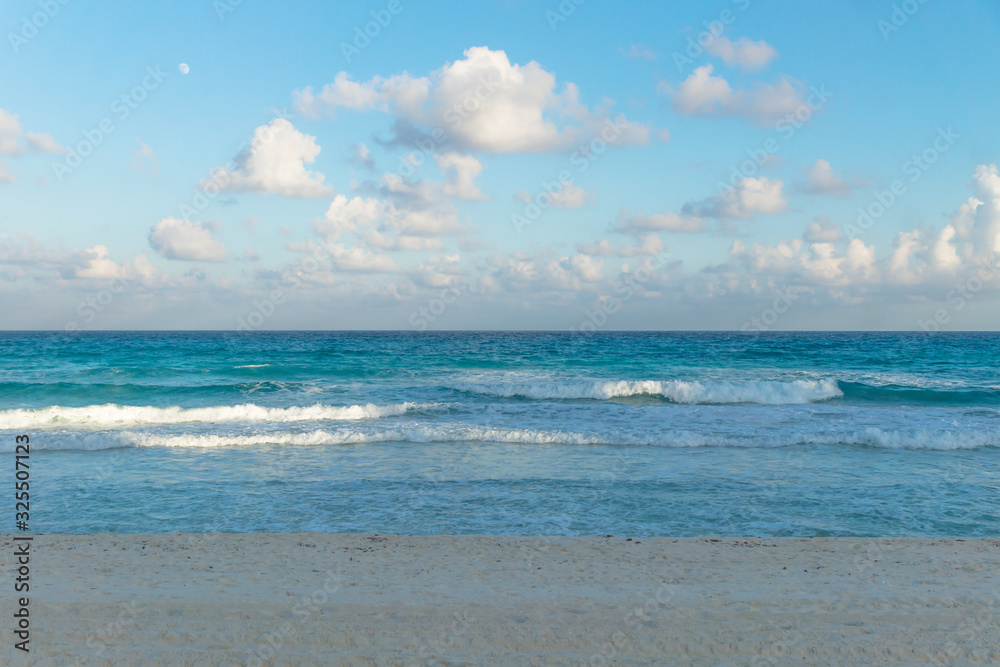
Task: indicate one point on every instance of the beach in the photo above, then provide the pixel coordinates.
(316, 598)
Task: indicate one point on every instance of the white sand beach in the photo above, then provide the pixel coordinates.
(397, 600)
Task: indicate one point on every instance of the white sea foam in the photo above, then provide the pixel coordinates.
(445, 433)
(126, 416)
(678, 391)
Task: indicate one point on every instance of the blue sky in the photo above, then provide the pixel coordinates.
(310, 222)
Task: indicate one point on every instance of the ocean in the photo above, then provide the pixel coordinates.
(629, 434)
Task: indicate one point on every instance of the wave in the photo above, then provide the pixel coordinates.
(917, 439)
(125, 416)
(677, 391)
(898, 394)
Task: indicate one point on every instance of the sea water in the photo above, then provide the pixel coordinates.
(639, 434)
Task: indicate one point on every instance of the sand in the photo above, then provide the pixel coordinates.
(398, 600)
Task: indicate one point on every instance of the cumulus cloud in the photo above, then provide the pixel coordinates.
(523, 272)
(703, 94)
(406, 215)
(461, 171)
(747, 198)
(359, 260)
(570, 196)
(275, 163)
(480, 103)
(14, 141)
(43, 143)
(823, 230)
(363, 156)
(744, 52)
(638, 222)
(186, 240)
(439, 271)
(649, 245)
(31, 256)
(921, 262)
(822, 180)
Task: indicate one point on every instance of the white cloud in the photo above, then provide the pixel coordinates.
(347, 215)
(43, 143)
(570, 196)
(275, 163)
(480, 103)
(99, 264)
(409, 216)
(702, 94)
(14, 141)
(823, 230)
(439, 271)
(93, 263)
(793, 262)
(363, 156)
(742, 201)
(461, 171)
(650, 245)
(359, 260)
(186, 240)
(923, 262)
(638, 222)
(822, 180)
(744, 52)
(521, 272)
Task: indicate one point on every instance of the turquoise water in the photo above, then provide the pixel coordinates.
(508, 433)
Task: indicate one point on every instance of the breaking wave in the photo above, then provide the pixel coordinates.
(677, 391)
(125, 416)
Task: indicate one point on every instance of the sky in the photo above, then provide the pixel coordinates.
(506, 164)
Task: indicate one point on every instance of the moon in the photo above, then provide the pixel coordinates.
(183, 67)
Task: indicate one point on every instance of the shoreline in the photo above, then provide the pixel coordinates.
(322, 598)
